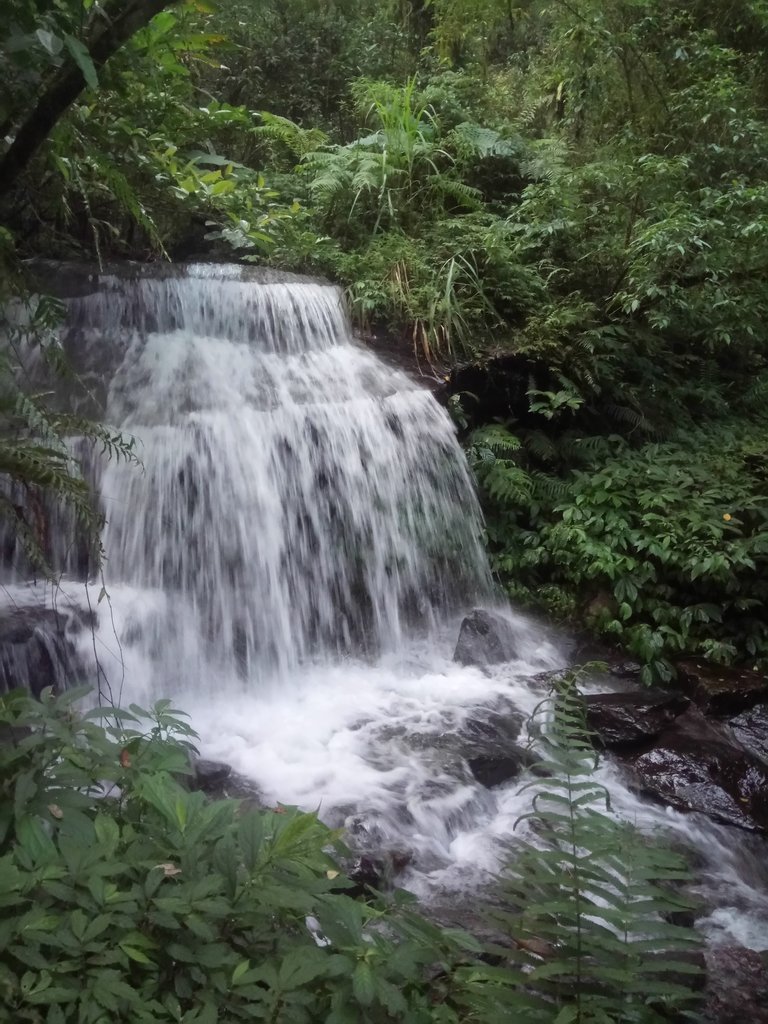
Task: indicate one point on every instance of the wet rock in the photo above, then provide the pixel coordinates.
(210, 776)
(751, 730)
(490, 730)
(695, 765)
(625, 719)
(737, 986)
(238, 787)
(485, 638)
(366, 875)
(19, 626)
(490, 735)
(218, 780)
(625, 669)
(371, 873)
(364, 834)
(488, 744)
(492, 771)
(35, 651)
(722, 690)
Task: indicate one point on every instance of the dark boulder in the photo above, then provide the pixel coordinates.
(366, 874)
(210, 776)
(722, 690)
(625, 669)
(751, 730)
(484, 746)
(36, 651)
(485, 638)
(494, 770)
(488, 743)
(737, 986)
(491, 730)
(695, 765)
(626, 719)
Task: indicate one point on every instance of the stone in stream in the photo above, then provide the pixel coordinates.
(737, 986)
(696, 765)
(35, 650)
(485, 638)
(751, 730)
(494, 770)
(486, 743)
(626, 719)
(722, 690)
(210, 776)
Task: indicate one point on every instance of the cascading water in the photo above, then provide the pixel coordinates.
(298, 499)
(292, 561)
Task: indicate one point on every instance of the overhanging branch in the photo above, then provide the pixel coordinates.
(111, 26)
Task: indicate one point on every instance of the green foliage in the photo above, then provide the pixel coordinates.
(585, 900)
(126, 897)
(134, 164)
(663, 547)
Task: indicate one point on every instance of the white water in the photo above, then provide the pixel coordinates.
(292, 564)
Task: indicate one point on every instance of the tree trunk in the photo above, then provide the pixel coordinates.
(111, 26)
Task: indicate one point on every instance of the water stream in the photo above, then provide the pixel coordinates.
(292, 562)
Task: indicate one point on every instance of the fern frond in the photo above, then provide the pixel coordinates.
(456, 190)
(584, 902)
(484, 142)
(497, 438)
(301, 141)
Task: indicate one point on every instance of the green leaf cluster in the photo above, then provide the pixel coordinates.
(662, 546)
(127, 897)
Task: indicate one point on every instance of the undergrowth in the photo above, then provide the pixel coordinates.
(661, 547)
(126, 897)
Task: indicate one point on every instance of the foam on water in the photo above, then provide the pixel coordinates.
(292, 563)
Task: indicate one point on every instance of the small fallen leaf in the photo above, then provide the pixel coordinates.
(169, 870)
(55, 811)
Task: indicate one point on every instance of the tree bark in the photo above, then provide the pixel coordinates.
(111, 25)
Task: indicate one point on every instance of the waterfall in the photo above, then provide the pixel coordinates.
(298, 499)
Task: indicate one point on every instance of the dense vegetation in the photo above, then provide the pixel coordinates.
(126, 897)
(560, 204)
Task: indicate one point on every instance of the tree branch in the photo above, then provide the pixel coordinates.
(111, 26)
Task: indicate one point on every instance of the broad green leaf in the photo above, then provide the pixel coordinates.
(82, 58)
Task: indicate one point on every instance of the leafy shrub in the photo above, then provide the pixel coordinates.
(664, 547)
(126, 897)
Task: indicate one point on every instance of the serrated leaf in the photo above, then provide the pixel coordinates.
(363, 984)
